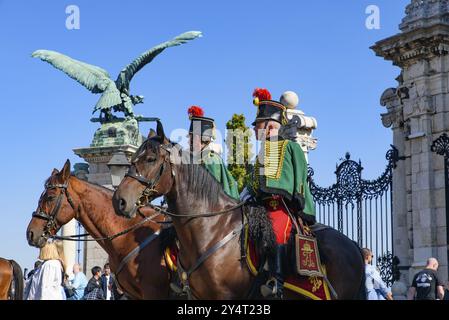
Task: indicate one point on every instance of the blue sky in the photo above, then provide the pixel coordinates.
(320, 49)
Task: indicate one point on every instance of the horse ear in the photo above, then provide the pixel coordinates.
(151, 134)
(65, 172)
(54, 172)
(160, 131)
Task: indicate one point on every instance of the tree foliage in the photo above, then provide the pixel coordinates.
(239, 149)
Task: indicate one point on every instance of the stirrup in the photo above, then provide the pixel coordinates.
(176, 289)
(270, 289)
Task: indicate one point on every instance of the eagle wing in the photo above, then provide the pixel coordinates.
(131, 69)
(94, 78)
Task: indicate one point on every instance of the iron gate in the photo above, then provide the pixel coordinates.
(361, 209)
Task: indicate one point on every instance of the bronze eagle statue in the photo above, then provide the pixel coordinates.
(115, 95)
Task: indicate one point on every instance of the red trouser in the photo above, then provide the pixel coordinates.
(278, 214)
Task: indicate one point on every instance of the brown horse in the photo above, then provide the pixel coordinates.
(11, 280)
(203, 215)
(144, 276)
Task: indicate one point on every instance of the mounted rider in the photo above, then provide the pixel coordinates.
(279, 181)
(203, 150)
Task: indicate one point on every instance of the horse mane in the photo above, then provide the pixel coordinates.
(202, 184)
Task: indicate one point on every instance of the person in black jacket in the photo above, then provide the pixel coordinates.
(109, 284)
(93, 290)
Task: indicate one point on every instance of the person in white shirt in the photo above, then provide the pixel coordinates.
(376, 289)
(46, 283)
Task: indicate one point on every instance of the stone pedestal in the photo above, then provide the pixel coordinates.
(97, 158)
(417, 112)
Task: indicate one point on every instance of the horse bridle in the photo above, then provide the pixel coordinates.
(150, 190)
(150, 184)
(51, 217)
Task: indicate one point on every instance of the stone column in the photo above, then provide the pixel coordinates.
(418, 115)
(69, 246)
(401, 215)
(97, 158)
(70, 228)
(109, 139)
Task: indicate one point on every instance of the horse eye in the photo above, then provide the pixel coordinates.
(51, 198)
(151, 159)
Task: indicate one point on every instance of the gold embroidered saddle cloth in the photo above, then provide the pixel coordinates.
(308, 281)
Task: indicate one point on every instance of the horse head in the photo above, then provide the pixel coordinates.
(55, 208)
(150, 175)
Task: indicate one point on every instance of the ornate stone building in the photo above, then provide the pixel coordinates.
(417, 112)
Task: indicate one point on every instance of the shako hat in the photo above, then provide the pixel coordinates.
(199, 122)
(268, 109)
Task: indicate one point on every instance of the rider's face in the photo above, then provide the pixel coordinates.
(260, 130)
(195, 143)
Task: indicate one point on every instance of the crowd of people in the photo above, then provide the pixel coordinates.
(49, 279)
(425, 286)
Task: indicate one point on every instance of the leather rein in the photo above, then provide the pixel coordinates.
(53, 225)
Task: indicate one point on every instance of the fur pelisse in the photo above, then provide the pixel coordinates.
(262, 94)
(195, 111)
(260, 228)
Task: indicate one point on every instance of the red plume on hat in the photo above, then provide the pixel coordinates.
(261, 94)
(195, 111)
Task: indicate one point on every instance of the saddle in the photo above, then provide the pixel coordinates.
(305, 273)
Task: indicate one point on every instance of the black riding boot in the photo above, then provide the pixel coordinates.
(274, 288)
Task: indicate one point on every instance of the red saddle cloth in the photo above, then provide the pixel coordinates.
(311, 287)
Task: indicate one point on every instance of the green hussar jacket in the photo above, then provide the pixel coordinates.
(214, 164)
(283, 171)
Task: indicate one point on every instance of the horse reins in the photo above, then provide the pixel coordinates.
(53, 225)
(107, 238)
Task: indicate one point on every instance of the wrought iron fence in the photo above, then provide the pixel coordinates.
(361, 209)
